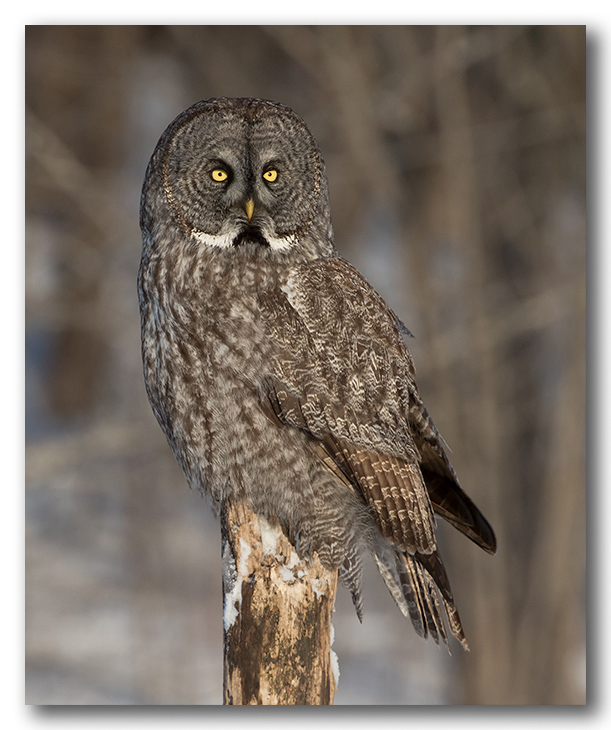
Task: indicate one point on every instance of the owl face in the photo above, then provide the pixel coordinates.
(242, 171)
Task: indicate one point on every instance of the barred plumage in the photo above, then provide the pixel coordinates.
(277, 373)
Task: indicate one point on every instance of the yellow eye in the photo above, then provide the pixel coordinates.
(270, 175)
(219, 175)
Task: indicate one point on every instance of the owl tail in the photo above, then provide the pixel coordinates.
(350, 575)
(419, 584)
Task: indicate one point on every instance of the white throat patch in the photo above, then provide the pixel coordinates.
(225, 240)
(283, 243)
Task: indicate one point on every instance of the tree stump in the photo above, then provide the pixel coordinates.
(277, 617)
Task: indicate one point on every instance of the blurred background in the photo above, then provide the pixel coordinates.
(456, 163)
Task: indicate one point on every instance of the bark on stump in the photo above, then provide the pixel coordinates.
(277, 617)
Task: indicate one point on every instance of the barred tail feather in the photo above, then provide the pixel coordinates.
(419, 595)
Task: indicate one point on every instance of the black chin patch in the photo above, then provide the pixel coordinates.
(250, 234)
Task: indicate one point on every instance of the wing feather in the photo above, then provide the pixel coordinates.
(346, 379)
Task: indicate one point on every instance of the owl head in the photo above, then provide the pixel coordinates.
(238, 172)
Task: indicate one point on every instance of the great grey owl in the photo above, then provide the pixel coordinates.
(277, 373)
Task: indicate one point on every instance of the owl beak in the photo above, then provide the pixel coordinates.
(249, 207)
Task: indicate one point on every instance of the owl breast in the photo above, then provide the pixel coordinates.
(205, 362)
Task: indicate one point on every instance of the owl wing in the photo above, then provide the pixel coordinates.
(344, 377)
(448, 499)
(347, 378)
